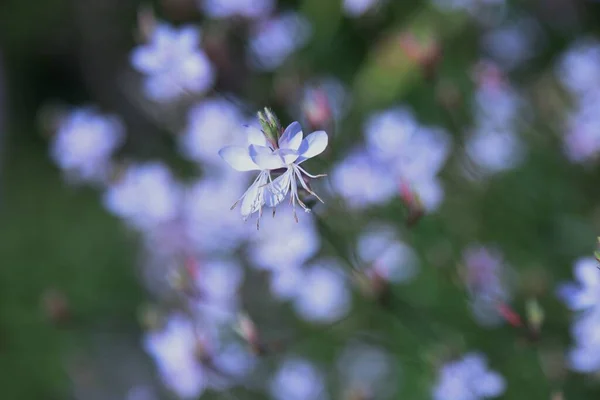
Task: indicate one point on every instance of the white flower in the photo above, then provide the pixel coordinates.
(297, 379)
(84, 143)
(173, 63)
(290, 151)
(468, 379)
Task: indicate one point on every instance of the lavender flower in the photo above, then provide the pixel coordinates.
(297, 379)
(173, 63)
(468, 379)
(84, 143)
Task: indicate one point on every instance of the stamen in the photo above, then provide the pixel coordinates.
(309, 175)
(305, 186)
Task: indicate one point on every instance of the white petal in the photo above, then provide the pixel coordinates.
(254, 198)
(313, 145)
(278, 189)
(146, 59)
(587, 272)
(238, 157)
(256, 136)
(287, 155)
(292, 137)
(265, 158)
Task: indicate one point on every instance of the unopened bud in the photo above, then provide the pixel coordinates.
(146, 22)
(270, 125)
(246, 328)
(535, 315)
(509, 315)
(412, 202)
(150, 318)
(56, 306)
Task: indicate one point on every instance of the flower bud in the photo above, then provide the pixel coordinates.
(270, 125)
(535, 315)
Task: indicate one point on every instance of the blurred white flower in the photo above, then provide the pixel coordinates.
(584, 356)
(414, 154)
(298, 379)
(385, 255)
(218, 282)
(178, 350)
(212, 125)
(356, 8)
(232, 8)
(282, 243)
(579, 67)
(84, 143)
(285, 282)
(210, 224)
(145, 196)
(485, 279)
(582, 136)
(513, 43)
(275, 39)
(368, 369)
(362, 182)
(468, 379)
(173, 63)
(323, 295)
(585, 294)
(584, 297)
(495, 151)
(174, 350)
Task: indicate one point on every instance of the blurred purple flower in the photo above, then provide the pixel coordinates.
(468, 379)
(212, 125)
(385, 255)
(494, 151)
(297, 379)
(209, 223)
(356, 8)
(275, 39)
(178, 350)
(485, 279)
(231, 8)
(145, 196)
(173, 63)
(323, 296)
(84, 143)
(414, 154)
(363, 182)
(585, 294)
(584, 356)
(368, 369)
(282, 243)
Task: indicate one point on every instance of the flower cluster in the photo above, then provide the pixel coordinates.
(399, 151)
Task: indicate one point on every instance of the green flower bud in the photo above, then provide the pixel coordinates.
(270, 125)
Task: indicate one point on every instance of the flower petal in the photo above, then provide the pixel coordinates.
(278, 189)
(292, 137)
(287, 155)
(238, 157)
(256, 136)
(254, 198)
(313, 145)
(265, 158)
